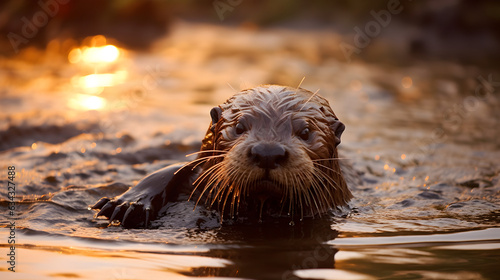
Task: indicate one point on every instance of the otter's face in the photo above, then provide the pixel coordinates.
(275, 143)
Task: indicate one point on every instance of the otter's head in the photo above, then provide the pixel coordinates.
(276, 145)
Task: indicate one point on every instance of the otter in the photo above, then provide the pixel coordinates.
(269, 151)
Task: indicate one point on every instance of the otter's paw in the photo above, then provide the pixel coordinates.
(140, 204)
(130, 214)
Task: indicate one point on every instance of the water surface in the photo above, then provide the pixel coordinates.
(423, 137)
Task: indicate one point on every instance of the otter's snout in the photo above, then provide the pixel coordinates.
(268, 155)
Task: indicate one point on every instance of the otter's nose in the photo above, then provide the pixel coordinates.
(268, 155)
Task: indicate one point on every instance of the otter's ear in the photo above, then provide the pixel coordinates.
(337, 128)
(215, 113)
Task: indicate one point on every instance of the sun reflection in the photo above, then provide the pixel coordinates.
(102, 80)
(108, 53)
(105, 54)
(100, 58)
(87, 102)
(75, 55)
(98, 52)
(95, 83)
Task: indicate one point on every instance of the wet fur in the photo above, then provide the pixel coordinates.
(314, 180)
(310, 183)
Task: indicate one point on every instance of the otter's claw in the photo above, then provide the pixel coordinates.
(100, 203)
(140, 204)
(118, 212)
(107, 209)
(129, 214)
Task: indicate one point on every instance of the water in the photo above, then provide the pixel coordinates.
(424, 138)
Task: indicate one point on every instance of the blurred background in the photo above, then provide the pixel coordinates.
(463, 30)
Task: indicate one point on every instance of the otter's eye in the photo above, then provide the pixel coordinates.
(240, 128)
(304, 134)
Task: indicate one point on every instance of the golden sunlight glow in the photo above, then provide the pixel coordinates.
(108, 53)
(98, 40)
(87, 102)
(94, 83)
(75, 55)
(102, 80)
(96, 80)
(104, 54)
(407, 82)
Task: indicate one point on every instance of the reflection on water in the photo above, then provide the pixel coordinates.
(102, 80)
(103, 62)
(104, 54)
(87, 102)
(93, 121)
(265, 252)
(94, 50)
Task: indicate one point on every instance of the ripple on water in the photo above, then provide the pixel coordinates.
(424, 177)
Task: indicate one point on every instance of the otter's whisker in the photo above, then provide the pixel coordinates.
(196, 160)
(211, 186)
(213, 181)
(222, 186)
(236, 193)
(228, 191)
(301, 81)
(293, 194)
(319, 182)
(319, 193)
(299, 194)
(325, 167)
(329, 159)
(314, 94)
(204, 159)
(283, 198)
(309, 192)
(202, 177)
(207, 151)
(312, 197)
(211, 196)
(207, 173)
(217, 184)
(244, 185)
